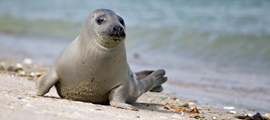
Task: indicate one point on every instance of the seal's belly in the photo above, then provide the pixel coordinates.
(93, 88)
(84, 91)
(92, 81)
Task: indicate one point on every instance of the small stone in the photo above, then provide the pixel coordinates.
(197, 117)
(28, 61)
(38, 74)
(22, 73)
(191, 103)
(174, 98)
(185, 105)
(2, 68)
(15, 69)
(229, 108)
(20, 98)
(11, 68)
(214, 118)
(267, 115)
(19, 65)
(29, 105)
(232, 112)
(32, 74)
(137, 116)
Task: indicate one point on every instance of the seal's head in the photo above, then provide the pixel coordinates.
(105, 27)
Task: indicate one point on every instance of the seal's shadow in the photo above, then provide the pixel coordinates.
(152, 107)
(141, 106)
(52, 97)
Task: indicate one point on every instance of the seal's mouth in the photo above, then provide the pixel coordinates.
(116, 40)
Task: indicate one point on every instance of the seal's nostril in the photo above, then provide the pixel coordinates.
(114, 29)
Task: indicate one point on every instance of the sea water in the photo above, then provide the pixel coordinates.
(213, 51)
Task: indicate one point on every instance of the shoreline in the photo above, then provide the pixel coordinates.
(18, 97)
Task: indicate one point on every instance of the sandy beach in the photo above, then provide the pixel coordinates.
(215, 53)
(19, 101)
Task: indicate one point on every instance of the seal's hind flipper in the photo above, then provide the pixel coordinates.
(143, 74)
(157, 89)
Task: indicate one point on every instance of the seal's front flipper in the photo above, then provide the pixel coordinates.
(157, 89)
(45, 82)
(118, 98)
(143, 74)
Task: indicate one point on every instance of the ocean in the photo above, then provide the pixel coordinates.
(217, 52)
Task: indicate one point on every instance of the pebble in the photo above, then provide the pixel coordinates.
(267, 115)
(20, 98)
(191, 103)
(185, 105)
(229, 108)
(18, 65)
(11, 68)
(32, 74)
(232, 112)
(38, 74)
(214, 118)
(2, 68)
(15, 69)
(174, 98)
(196, 117)
(28, 61)
(137, 116)
(29, 105)
(22, 73)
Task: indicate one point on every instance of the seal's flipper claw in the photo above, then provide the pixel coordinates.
(123, 106)
(157, 89)
(143, 74)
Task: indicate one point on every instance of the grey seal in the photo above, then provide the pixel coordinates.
(94, 68)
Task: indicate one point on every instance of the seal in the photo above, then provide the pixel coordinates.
(94, 68)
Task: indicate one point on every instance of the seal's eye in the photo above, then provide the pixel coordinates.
(100, 21)
(122, 22)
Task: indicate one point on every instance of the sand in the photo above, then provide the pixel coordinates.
(18, 100)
